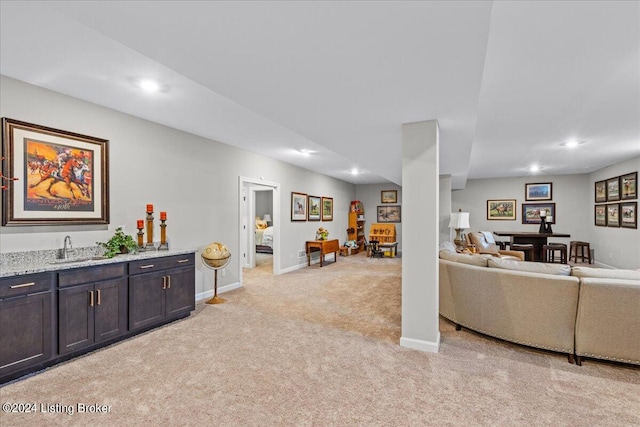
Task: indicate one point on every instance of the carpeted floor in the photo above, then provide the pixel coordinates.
(318, 347)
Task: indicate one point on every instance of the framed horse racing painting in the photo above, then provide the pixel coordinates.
(62, 178)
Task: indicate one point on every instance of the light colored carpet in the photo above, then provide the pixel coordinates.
(318, 347)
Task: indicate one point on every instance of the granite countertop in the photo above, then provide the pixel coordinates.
(19, 263)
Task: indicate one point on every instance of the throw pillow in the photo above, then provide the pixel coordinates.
(261, 224)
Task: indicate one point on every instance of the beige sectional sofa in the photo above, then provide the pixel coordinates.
(588, 312)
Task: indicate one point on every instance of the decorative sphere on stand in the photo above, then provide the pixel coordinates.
(216, 256)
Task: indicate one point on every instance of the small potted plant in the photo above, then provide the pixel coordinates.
(120, 243)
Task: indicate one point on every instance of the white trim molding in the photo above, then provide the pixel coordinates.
(431, 347)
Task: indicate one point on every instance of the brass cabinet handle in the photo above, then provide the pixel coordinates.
(98, 292)
(90, 298)
(169, 285)
(24, 285)
(143, 267)
(180, 261)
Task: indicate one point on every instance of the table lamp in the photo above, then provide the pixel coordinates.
(266, 218)
(459, 221)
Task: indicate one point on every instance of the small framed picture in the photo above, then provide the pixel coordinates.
(389, 213)
(313, 208)
(501, 209)
(298, 206)
(327, 208)
(538, 191)
(629, 214)
(613, 215)
(389, 196)
(600, 215)
(613, 189)
(629, 186)
(601, 191)
(531, 212)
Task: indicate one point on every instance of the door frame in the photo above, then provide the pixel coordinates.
(247, 188)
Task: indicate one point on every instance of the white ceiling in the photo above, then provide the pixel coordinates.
(507, 81)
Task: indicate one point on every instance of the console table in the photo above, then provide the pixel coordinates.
(536, 239)
(324, 246)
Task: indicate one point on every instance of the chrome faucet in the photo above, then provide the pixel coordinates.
(65, 249)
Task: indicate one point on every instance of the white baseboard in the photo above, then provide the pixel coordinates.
(221, 290)
(431, 347)
(304, 264)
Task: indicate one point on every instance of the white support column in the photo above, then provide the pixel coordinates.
(420, 216)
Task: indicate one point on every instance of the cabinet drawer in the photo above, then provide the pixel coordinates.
(92, 274)
(22, 285)
(155, 264)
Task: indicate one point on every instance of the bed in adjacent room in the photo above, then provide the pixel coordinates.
(264, 237)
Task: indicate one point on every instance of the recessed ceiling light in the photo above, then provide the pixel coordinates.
(355, 171)
(306, 152)
(534, 168)
(571, 143)
(149, 85)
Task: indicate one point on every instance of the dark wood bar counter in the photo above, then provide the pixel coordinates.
(536, 239)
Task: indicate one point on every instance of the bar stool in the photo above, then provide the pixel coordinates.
(549, 250)
(577, 245)
(527, 248)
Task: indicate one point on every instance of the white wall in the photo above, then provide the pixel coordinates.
(371, 197)
(618, 247)
(264, 203)
(573, 196)
(193, 179)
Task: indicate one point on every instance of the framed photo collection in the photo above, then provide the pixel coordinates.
(621, 190)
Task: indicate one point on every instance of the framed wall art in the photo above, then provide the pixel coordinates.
(531, 212)
(501, 209)
(63, 177)
(313, 208)
(298, 206)
(389, 196)
(629, 186)
(538, 191)
(613, 215)
(600, 215)
(327, 208)
(389, 213)
(629, 214)
(600, 191)
(613, 189)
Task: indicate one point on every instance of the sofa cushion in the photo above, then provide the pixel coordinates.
(532, 267)
(479, 260)
(605, 273)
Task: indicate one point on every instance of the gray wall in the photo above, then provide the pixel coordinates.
(264, 203)
(371, 198)
(193, 179)
(573, 196)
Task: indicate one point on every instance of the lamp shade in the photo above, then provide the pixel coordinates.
(459, 220)
(266, 217)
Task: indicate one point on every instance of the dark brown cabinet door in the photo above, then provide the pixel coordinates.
(75, 318)
(146, 299)
(110, 309)
(181, 291)
(25, 332)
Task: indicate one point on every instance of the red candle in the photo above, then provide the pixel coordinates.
(149, 208)
(140, 223)
(163, 216)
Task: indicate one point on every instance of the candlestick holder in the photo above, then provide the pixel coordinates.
(164, 246)
(140, 239)
(149, 246)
